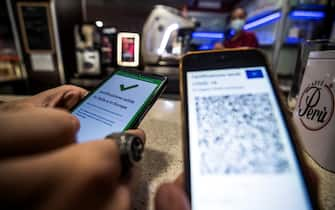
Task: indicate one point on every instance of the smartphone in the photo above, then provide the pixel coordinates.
(117, 104)
(240, 149)
(128, 49)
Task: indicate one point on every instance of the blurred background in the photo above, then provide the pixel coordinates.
(44, 44)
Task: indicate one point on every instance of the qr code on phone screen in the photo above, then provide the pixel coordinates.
(238, 134)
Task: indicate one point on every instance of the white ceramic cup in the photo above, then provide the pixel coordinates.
(314, 111)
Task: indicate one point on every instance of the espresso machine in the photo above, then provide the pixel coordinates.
(166, 36)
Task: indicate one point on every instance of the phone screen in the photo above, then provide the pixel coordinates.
(241, 155)
(128, 49)
(115, 105)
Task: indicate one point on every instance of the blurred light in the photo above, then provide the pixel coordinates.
(109, 30)
(99, 23)
(262, 21)
(169, 105)
(260, 15)
(293, 40)
(208, 35)
(166, 37)
(206, 47)
(316, 15)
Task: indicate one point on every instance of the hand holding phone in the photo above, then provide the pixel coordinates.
(118, 104)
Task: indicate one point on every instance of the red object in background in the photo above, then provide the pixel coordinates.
(244, 39)
(14, 58)
(128, 49)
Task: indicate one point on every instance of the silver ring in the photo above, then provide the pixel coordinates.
(130, 146)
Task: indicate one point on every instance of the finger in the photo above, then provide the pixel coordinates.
(139, 133)
(120, 199)
(80, 176)
(66, 96)
(100, 159)
(13, 106)
(36, 130)
(73, 92)
(71, 88)
(180, 181)
(19, 179)
(71, 99)
(57, 97)
(132, 178)
(170, 196)
(65, 90)
(107, 151)
(96, 174)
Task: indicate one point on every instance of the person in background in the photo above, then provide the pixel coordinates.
(240, 38)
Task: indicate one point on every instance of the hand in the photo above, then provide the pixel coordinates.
(65, 96)
(34, 129)
(49, 172)
(172, 196)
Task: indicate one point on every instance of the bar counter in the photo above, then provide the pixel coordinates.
(163, 159)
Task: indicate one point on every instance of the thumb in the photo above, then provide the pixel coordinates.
(170, 196)
(35, 130)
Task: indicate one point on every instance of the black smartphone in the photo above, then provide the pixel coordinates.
(119, 103)
(240, 148)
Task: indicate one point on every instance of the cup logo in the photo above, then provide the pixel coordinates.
(316, 105)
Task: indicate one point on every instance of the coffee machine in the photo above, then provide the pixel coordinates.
(166, 36)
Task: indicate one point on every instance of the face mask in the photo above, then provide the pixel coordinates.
(237, 24)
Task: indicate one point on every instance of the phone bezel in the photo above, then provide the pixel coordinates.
(155, 95)
(234, 58)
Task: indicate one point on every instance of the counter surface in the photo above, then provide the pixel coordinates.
(163, 160)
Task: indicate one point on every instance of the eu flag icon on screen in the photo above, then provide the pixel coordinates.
(254, 74)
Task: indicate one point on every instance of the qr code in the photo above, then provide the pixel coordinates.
(238, 134)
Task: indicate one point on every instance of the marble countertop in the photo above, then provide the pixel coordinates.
(163, 159)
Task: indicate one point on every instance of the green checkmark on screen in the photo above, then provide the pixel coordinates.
(123, 87)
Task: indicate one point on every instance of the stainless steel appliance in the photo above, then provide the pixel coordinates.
(166, 34)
